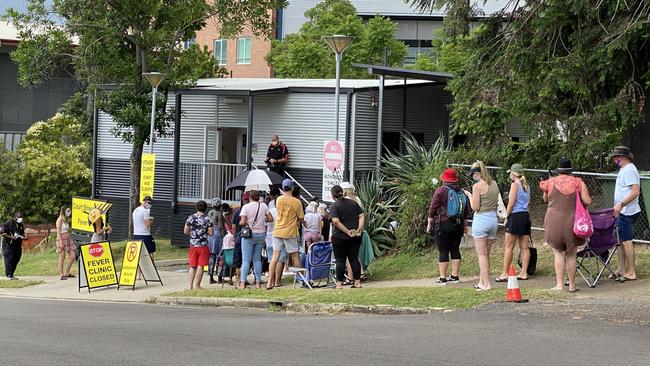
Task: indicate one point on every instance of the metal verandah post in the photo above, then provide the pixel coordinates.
(380, 121)
(249, 134)
(177, 150)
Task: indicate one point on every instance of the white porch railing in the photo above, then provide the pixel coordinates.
(199, 180)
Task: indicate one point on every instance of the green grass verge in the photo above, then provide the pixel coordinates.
(405, 266)
(18, 283)
(44, 261)
(415, 297)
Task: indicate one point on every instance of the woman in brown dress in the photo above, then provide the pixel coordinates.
(560, 193)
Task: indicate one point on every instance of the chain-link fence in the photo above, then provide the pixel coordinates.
(601, 189)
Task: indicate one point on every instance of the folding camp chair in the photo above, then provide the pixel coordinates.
(317, 266)
(228, 256)
(602, 247)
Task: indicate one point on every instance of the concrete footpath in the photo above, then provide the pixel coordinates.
(54, 288)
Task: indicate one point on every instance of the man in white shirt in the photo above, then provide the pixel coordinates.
(142, 222)
(626, 207)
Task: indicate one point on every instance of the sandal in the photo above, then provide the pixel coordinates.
(501, 279)
(71, 276)
(363, 277)
(348, 282)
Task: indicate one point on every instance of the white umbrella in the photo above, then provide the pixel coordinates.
(257, 180)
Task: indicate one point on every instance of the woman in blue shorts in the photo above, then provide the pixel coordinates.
(483, 200)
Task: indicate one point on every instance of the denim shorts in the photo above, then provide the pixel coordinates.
(484, 225)
(625, 225)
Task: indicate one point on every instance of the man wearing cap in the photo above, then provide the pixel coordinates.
(626, 207)
(277, 156)
(142, 222)
(285, 232)
(13, 233)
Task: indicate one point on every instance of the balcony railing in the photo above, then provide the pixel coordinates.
(199, 180)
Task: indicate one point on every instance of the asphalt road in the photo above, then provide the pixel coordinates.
(38, 332)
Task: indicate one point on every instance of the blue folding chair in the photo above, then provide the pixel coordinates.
(317, 266)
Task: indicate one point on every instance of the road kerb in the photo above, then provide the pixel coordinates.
(295, 307)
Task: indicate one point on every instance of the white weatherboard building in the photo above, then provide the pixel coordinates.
(218, 117)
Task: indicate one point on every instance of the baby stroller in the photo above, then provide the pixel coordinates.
(317, 266)
(600, 248)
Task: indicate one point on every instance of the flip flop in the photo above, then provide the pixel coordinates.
(522, 279)
(612, 277)
(629, 279)
(499, 279)
(575, 290)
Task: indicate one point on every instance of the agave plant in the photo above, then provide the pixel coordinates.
(405, 167)
(379, 209)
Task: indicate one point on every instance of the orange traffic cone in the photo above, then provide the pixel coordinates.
(514, 293)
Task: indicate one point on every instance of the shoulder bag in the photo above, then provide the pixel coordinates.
(246, 231)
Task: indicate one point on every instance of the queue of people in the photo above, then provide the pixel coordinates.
(451, 207)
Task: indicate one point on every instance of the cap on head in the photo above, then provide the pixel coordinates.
(517, 169)
(147, 199)
(287, 183)
(347, 185)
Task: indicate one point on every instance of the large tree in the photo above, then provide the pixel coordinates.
(305, 54)
(575, 73)
(112, 42)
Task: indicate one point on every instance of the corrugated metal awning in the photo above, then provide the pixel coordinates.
(439, 77)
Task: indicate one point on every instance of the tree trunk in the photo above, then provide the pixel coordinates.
(136, 162)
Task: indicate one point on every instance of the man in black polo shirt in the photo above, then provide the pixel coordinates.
(13, 233)
(277, 155)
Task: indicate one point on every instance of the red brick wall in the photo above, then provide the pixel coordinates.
(260, 46)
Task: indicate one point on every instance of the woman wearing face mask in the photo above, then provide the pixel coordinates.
(483, 200)
(64, 243)
(13, 233)
(517, 223)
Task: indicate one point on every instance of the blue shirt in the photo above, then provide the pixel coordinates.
(523, 197)
(627, 177)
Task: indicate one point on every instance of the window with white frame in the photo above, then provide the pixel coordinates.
(221, 51)
(243, 50)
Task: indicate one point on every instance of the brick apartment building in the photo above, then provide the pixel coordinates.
(243, 56)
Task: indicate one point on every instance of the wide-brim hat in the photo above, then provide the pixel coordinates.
(449, 175)
(621, 151)
(564, 166)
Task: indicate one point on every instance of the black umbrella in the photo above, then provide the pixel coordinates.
(255, 178)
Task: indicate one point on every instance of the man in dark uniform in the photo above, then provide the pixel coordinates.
(277, 156)
(13, 233)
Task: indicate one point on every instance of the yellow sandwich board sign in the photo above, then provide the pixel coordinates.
(136, 256)
(85, 211)
(98, 268)
(147, 175)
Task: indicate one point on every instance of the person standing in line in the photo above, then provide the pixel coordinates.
(101, 229)
(483, 200)
(560, 193)
(517, 223)
(269, 246)
(215, 242)
(348, 220)
(626, 208)
(448, 231)
(142, 223)
(64, 243)
(277, 156)
(198, 227)
(256, 215)
(236, 219)
(285, 231)
(13, 233)
(313, 225)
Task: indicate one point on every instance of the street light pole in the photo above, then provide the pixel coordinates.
(338, 43)
(154, 79)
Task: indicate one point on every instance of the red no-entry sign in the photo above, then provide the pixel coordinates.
(333, 155)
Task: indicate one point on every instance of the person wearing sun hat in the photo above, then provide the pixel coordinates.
(560, 193)
(626, 207)
(517, 223)
(448, 231)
